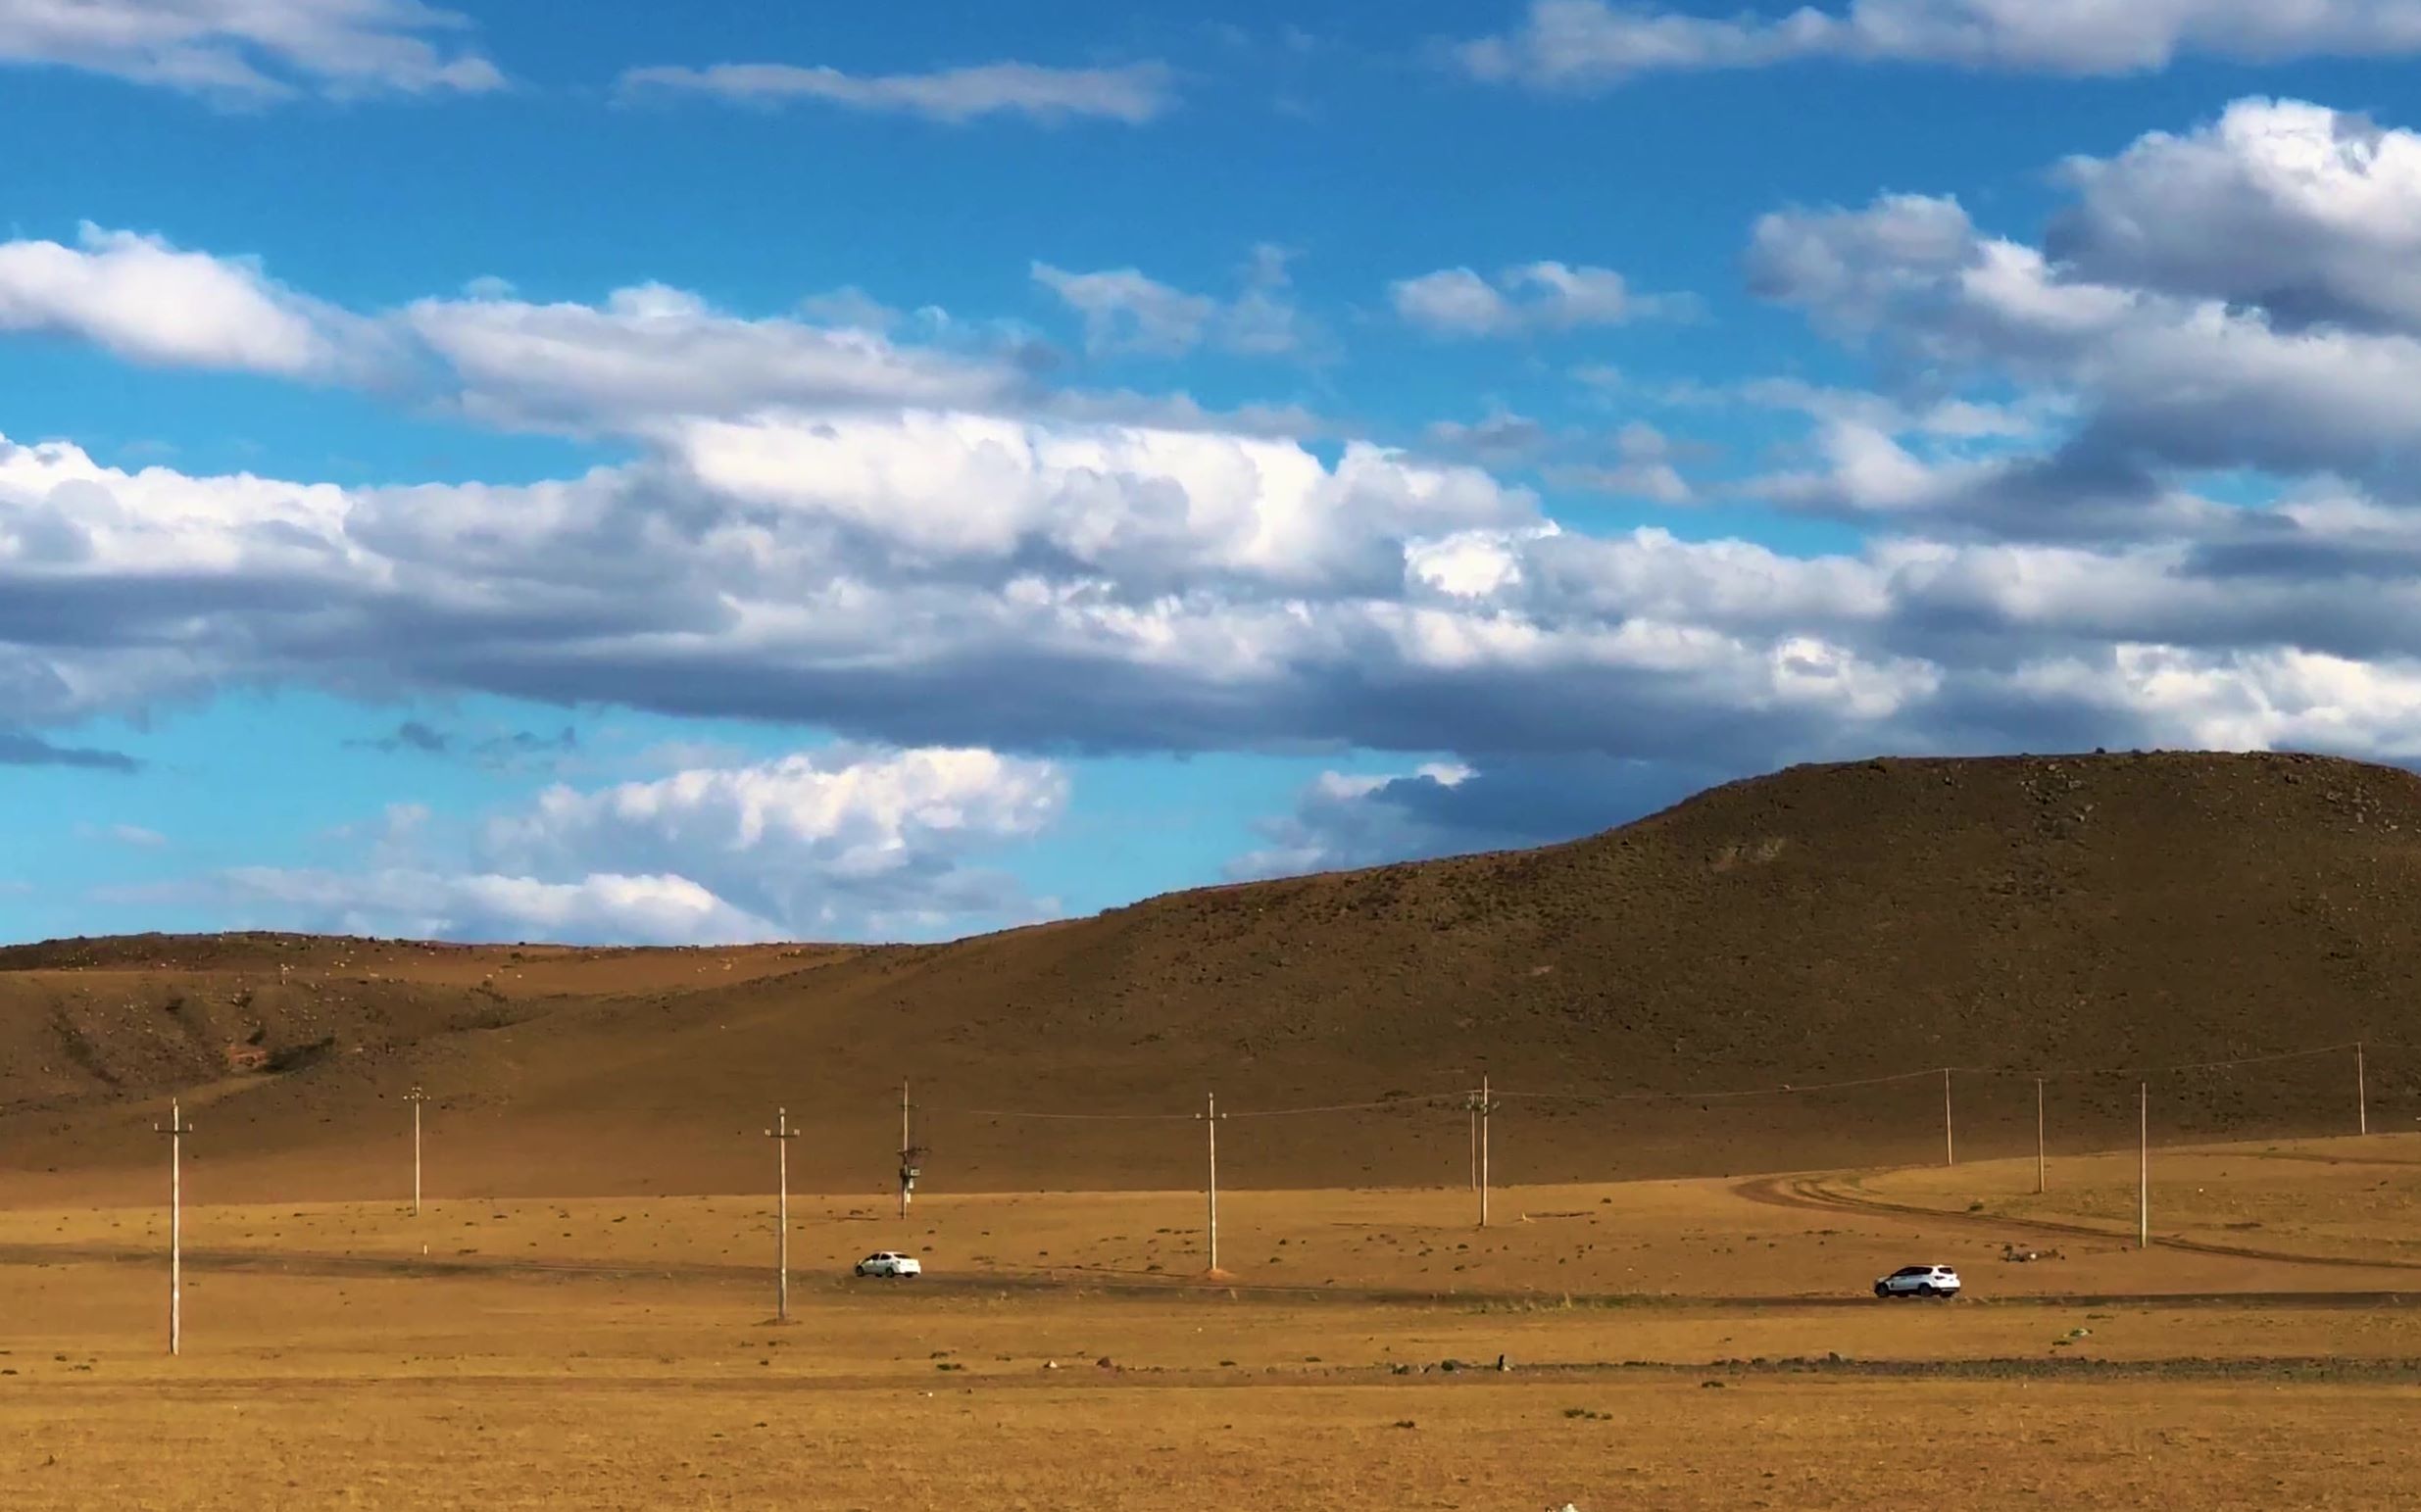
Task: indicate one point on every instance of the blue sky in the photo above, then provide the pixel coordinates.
(765, 471)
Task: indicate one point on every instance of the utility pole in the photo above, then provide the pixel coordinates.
(1211, 1121)
(782, 1134)
(2361, 1086)
(177, 1131)
(1949, 1152)
(1473, 1105)
(2144, 1166)
(1481, 1107)
(2040, 1179)
(909, 1153)
(415, 1098)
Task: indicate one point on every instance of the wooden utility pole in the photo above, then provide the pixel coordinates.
(2041, 1181)
(1949, 1152)
(1481, 1107)
(1211, 1121)
(2144, 1166)
(177, 1131)
(782, 1134)
(415, 1098)
(2361, 1087)
(909, 1153)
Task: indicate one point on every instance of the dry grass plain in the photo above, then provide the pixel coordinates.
(620, 1352)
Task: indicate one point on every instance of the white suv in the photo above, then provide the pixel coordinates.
(890, 1263)
(1919, 1281)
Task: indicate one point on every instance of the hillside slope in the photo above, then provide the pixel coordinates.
(1822, 924)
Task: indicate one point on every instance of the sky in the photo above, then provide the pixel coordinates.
(763, 471)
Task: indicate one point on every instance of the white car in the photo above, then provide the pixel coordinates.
(1919, 1281)
(892, 1263)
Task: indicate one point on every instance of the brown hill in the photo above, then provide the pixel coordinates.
(1824, 924)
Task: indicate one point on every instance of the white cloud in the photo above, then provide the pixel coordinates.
(2156, 381)
(1642, 467)
(1118, 587)
(1138, 508)
(1335, 825)
(1134, 93)
(252, 50)
(648, 357)
(835, 840)
(603, 909)
(646, 354)
(651, 353)
(1582, 44)
(1126, 311)
(1453, 807)
(2309, 214)
(1534, 297)
(841, 844)
(1160, 590)
(151, 302)
(1636, 460)
(1499, 436)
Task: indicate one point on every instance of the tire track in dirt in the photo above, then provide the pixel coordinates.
(2314, 1157)
(1809, 1194)
(1060, 1284)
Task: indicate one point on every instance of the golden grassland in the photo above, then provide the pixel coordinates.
(1679, 1343)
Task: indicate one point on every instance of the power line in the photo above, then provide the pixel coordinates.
(985, 1112)
(1787, 1090)
(2194, 1065)
(1424, 1100)
(1461, 1098)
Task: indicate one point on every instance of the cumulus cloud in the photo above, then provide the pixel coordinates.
(1455, 301)
(1120, 588)
(2157, 380)
(1641, 467)
(645, 356)
(152, 303)
(252, 50)
(823, 842)
(645, 353)
(2310, 214)
(1124, 311)
(1634, 460)
(1341, 822)
(650, 352)
(840, 844)
(1125, 588)
(607, 908)
(1499, 437)
(1584, 44)
(1133, 94)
